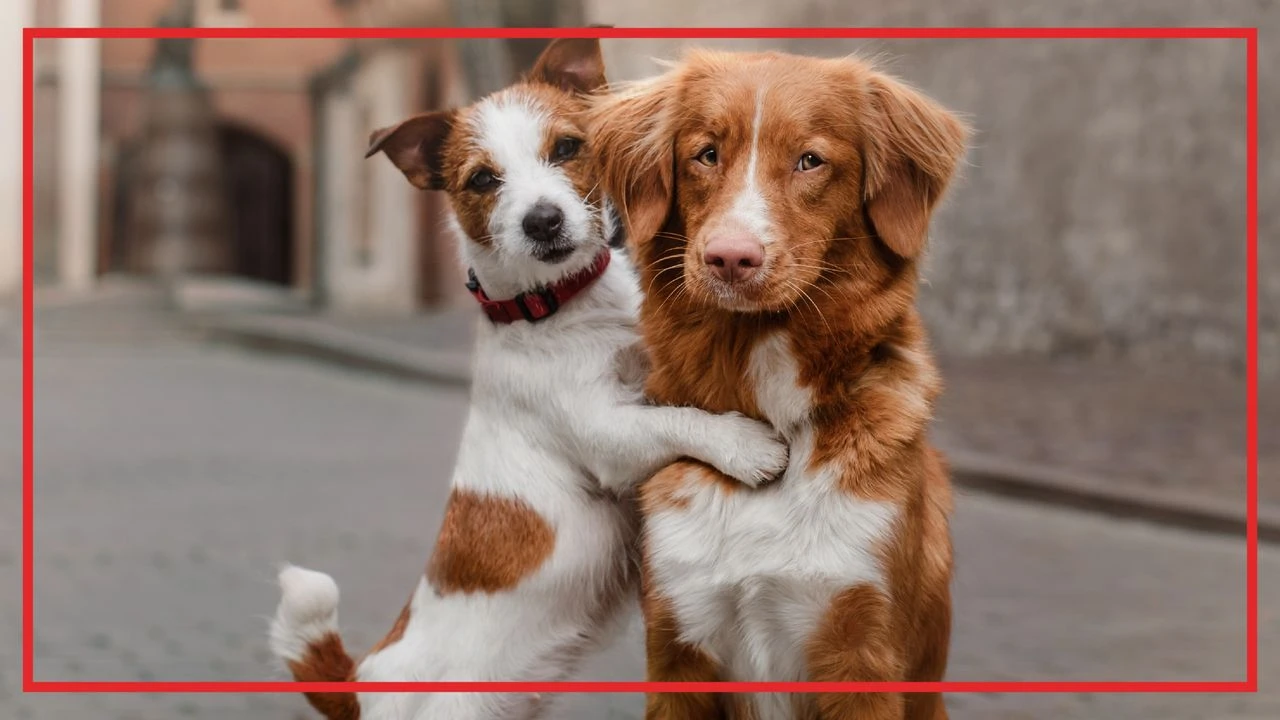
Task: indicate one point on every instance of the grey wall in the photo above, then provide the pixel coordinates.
(1102, 211)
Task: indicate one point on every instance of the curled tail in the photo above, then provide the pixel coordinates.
(304, 634)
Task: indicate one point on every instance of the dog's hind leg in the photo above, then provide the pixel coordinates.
(671, 660)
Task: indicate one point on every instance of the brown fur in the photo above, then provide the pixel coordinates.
(841, 277)
(488, 544)
(327, 661)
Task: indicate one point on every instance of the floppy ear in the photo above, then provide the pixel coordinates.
(913, 146)
(572, 64)
(416, 146)
(633, 138)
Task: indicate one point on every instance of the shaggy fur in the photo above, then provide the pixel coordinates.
(817, 178)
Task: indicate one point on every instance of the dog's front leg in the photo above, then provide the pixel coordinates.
(627, 444)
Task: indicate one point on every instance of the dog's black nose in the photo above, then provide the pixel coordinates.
(542, 223)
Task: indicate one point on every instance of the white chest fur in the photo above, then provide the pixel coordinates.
(749, 574)
(776, 380)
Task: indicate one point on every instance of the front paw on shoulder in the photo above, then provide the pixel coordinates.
(757, 454)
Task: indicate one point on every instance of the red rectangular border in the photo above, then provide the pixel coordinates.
(1249, 685)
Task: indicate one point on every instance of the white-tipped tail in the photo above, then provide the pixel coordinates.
(308, 611)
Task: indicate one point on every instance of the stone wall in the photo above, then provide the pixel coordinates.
(1102, 210)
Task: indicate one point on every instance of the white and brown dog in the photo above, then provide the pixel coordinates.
(535, 555)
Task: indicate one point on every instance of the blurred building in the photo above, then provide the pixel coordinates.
(379, 243)
(1101, 211)
(304, 211)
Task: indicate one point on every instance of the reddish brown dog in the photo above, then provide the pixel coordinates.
(778, 207)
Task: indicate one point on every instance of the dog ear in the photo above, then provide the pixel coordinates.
(633, 138)
(416, 146)
(912, 148)
(572, 64)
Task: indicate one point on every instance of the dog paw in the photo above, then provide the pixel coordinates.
(754, 453)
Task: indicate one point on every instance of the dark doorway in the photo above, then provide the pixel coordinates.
(121, 197)
(258, 182)
(258, 177)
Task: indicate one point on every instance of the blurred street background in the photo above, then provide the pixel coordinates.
(252, 345)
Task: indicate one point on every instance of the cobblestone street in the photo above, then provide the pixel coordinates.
(172, 476)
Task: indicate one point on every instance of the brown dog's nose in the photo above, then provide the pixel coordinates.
(733, 258)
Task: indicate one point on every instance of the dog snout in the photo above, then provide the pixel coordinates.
(543, 222)
(733, 258)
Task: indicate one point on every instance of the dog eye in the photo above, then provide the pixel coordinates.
(482, 180)
(565, 149)
(808, 161)
(708, 157)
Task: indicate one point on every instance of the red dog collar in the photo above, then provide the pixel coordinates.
(542, 303)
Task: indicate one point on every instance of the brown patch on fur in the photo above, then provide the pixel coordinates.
(839, 279)
(670, 487)
(325, 660)
(488, 544)
(665, 490)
